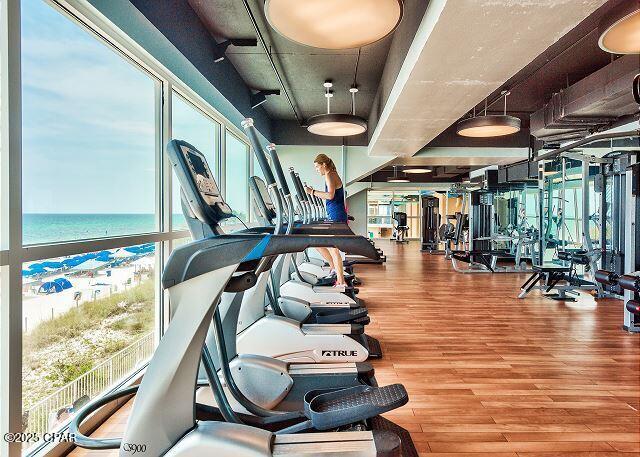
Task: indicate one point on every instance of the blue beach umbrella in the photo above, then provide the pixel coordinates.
(28, 273)
(50, 287)
(103, 256)
(64, 283)
(89, 265)
(52, 265)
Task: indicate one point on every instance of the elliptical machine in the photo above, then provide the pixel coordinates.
(164, 421)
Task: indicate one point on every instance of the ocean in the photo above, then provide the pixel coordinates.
(49, 228)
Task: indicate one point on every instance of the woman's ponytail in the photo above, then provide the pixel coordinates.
(324, 159)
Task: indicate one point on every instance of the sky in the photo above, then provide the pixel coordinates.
(88, 121)
(89, 124)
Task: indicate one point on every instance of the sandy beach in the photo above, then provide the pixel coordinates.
(86, 287)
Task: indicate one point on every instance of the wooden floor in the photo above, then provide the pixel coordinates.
(491, 375)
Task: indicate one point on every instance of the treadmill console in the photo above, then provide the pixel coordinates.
(203, 178)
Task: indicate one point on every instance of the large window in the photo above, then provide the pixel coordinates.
(92, 195)
(381, 206)
(193, 126)
(89, 134)
(237, 176)
(89, 159)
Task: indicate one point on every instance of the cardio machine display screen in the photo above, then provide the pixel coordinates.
(202, 176)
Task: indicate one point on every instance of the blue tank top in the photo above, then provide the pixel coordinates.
(335, 207)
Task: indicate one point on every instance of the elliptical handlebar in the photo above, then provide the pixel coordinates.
(297, 184)
(272, 187)
(250, 130)
(282, 182)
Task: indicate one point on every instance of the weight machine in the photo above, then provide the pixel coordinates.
(497, 236)
(609, 235)
(455, 232)
(400, 227)
(612, 279)
(430, 222)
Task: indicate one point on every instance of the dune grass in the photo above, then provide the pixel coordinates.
(60, 350)
(73, 323)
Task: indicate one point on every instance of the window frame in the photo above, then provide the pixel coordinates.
(223, 177)
(13, 254)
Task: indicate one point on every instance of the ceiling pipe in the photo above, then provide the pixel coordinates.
(271, 61)
(591, 139)
(515, 84)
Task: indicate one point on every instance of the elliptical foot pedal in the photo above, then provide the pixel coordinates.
(339, 316)
(374, 348)
(325, 282)
(381, 424)
(329, 410)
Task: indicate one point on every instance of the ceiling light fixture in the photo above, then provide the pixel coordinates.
(259, 97)
(334, 24)
(219, 49)
(489, 125)
(620, 29)
(337, 124)
(395, 177)
(417, 170)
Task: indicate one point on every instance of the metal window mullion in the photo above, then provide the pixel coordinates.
(223, 162)
(247, 206)
(163, 203)
(11, 216)
(252, 216)
(217, 154)
(47, 251)
(166, 193)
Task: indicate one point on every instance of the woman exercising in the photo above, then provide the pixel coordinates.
(336, 212)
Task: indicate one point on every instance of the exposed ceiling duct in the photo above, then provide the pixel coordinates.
(592, 104)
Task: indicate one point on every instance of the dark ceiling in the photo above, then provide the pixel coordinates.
(302, 68)
(570, 59)
(439, 174)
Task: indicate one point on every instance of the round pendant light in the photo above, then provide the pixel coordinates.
(336, 125)
(417, 170)
(620, 30)
(488, 126)
(395, 177)
(334, 24)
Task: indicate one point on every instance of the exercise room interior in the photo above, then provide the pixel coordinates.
(395, 228)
